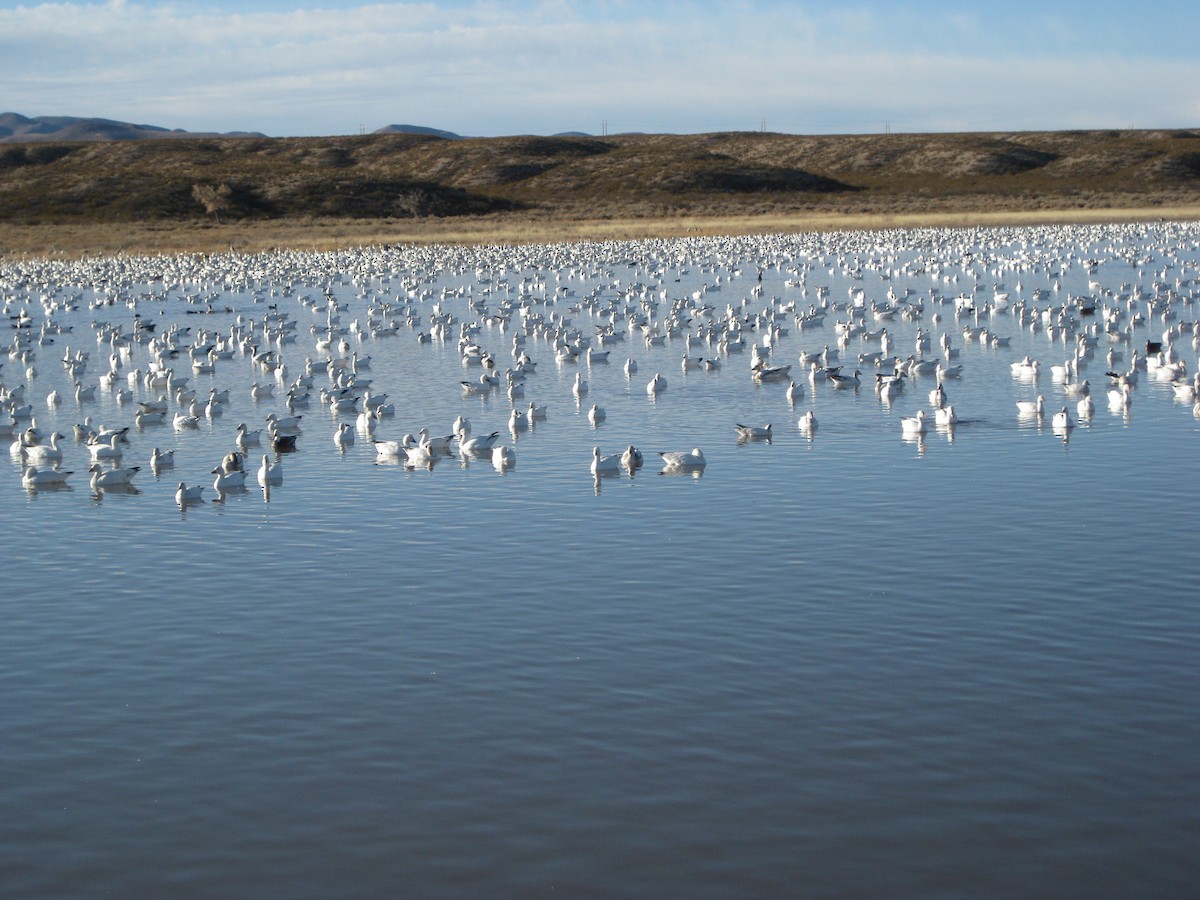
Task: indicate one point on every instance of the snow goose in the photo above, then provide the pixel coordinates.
(504, 457)
(161, 459)
(683, 460)
(185, 495)
(270, 474)
(656, 384)
(111, 449)
(479, 445)
(945, 416)
(1031, 407)
(808, 422)
(605, 465)
(630, 366)
(632, 458)
(43, 454)
(104, 478)
(838, 380)
(580, 388)
(247, 438)
(753, 432)
(285, 424)
(440, 444)
(597, 414)
(227, 481)
(32, 476)
(536, 411)
(914, 424)
(344, 436)
(794, 392)
(1062, 420)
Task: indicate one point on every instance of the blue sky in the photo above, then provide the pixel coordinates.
(490, 67)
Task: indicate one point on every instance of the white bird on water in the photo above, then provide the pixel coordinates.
(683, 459)
(270, 474)
(605, 465)
(914, 424)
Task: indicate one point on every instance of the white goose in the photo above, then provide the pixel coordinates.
(102, 478)
(753, 432)
(32, 476)
(344, 436)
(1032, 407)
(110, 450)
(914, 424)
(656, 384)
(479, 444)
(228, 481)
(161, 459)
(632, 458)
(681, 460)
(1062, 420)
(808, 422)
(504, 457)
(43, 454)
(270, 474)
(185, 495)
(605, 465)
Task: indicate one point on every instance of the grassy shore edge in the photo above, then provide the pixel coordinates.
(75, 241)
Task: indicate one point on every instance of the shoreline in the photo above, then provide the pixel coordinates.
(73, 241)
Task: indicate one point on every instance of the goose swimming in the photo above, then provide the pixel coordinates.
(914, 424)
(683, 459)
(945, 416)
(753, 432)
(808, 422)
(1031, 407)
(228, 481)
(344, 436)
(605, 465)
(478, 445)
(32, 476)
(102, 478)
(504, 457)
(270, 474)
(161, 459)
(656, 384)
(185, 495)
(632, 458)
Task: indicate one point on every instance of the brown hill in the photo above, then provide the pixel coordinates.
(404, 176)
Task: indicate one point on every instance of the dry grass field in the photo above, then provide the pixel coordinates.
(253, 194)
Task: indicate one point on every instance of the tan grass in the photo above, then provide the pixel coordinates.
(76, 240)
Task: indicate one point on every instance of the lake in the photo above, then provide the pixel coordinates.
(850, 662)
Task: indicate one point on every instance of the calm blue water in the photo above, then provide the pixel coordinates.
(851, 665)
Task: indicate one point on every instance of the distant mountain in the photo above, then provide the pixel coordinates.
(418, 129)
(16, 128)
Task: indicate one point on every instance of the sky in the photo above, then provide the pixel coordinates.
(488, 68)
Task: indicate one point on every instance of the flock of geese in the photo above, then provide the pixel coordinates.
(156, 336)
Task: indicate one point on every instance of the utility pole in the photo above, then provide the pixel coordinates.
(604, 127)
(762, 124)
